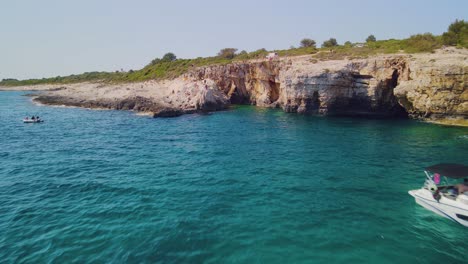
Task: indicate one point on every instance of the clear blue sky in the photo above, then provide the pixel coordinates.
(60, 37)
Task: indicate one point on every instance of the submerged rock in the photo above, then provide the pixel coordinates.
(168, 112)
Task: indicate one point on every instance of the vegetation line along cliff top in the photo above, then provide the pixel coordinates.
(171, 67)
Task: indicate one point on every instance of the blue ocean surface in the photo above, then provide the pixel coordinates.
(247, 185)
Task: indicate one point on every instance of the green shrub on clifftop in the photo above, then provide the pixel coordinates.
(422, 43)
(227, 53)
(457, 34)
(169, 57)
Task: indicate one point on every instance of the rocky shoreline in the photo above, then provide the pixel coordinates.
(429, 87)
(159, 99)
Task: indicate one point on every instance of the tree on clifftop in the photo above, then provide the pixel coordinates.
(371, 38)
(307, 43)
(457, 34)
(169, 57)
(329, 43)
(227, 53)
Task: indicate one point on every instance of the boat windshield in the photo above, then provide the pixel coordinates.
(438, 179)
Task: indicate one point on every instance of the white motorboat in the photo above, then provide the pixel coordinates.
(33, 120)
(440, 195)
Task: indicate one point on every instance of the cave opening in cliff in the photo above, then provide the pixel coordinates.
(315, 102)
(274, 91)
(394, 108)
(237, 98)
(394, 80)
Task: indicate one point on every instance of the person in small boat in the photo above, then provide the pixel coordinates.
(462, 187)
(33, 118)
(26, 118)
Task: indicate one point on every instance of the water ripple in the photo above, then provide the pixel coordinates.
(248, 185)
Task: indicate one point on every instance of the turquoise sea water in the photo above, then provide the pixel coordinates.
(248, 185)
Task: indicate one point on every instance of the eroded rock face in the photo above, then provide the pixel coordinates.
(354, 88)
(436, 87)
(251, 82)
(363, 87)
(421, 85)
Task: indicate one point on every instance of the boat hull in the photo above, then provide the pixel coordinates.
(448, 208)
(32, 121)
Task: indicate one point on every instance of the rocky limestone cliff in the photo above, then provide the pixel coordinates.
(426, 86)
(421, 86)
(436, 87)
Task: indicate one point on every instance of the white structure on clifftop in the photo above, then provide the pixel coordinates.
(272, 56)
